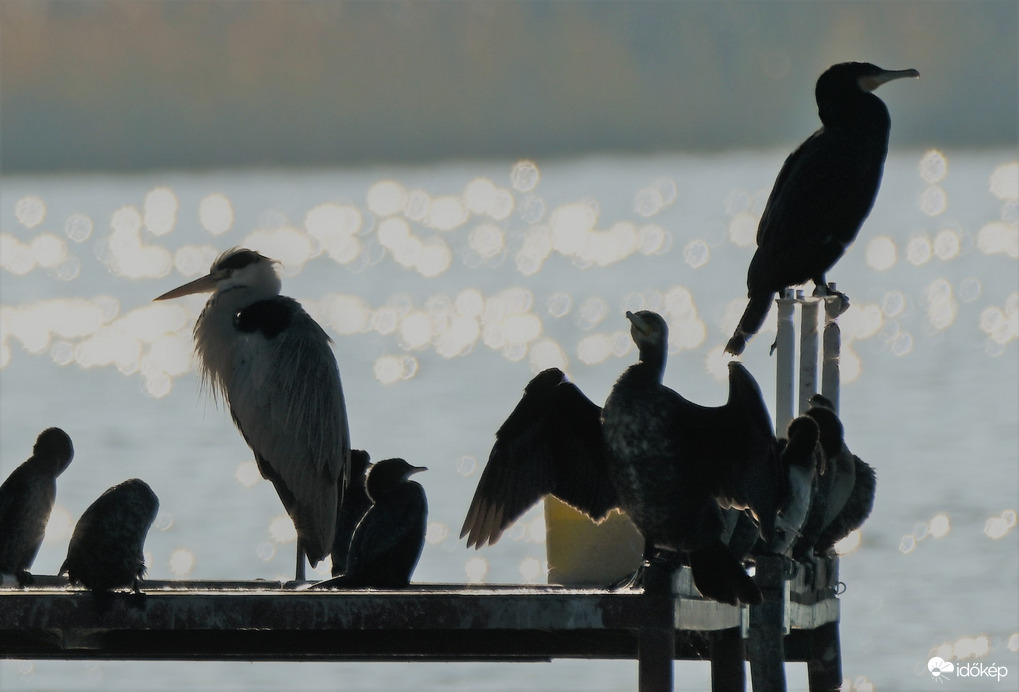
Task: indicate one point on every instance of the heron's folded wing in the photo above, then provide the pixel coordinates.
(286, 398)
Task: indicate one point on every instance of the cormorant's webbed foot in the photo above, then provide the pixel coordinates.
(653, 574)
(24, 578)
(826, 290)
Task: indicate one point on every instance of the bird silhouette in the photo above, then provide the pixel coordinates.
(355, 502)
(274, 366)
(670, 464)
(105, 551)
(26, 500)
(387, 543)
(845, 490)
(823, 192)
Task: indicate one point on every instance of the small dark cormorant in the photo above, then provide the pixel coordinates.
(354, 503)
(26, 500)
(670, 464)
(387, 542)
(105, 551)
(804, 468)
(802, 450)
(275, 367)
(823, 192)
(844, 495)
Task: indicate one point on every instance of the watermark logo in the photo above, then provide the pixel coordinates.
(941, 670)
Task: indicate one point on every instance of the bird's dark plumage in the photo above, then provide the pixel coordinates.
(823, 192)
(676, 464)
(844, 493)
(267, 317)
(105, 551)
(550, 445)
(387, 542)
(26, 500)
(668, 463)
(355, 503)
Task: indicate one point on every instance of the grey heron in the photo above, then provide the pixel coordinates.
(26, 500)
(274, 366)
(823, 192)
(105, 551)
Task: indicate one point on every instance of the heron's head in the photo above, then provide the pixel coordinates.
(648, 330)
(235, 268)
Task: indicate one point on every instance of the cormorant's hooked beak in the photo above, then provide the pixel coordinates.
(204, 284)
(414, 469)
(639, 324)
(871, 82)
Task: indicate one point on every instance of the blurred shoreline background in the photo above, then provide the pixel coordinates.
(126, 85)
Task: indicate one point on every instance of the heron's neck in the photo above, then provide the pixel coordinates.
(216, 333)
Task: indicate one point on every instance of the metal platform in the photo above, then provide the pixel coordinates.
(262, 621)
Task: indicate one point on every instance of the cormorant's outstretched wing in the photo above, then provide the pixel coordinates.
(550, 445)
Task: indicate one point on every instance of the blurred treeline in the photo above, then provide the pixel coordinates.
(135, 84)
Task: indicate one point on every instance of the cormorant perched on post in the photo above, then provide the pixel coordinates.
(670, 464)
(802, 449)
(823, 192)
(26, 500)
(105, 551)
(273, 364)
(355, 502)
(844, 495)
(387, 542)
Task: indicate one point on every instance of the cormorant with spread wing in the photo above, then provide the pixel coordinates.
(670, 464)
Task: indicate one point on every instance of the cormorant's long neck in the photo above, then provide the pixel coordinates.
(862, 112)
(652, 360)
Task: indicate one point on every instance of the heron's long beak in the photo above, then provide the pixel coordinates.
(872, 82)
(202, 285)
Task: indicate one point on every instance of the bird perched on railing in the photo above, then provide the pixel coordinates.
(274, 366)
(105, 551)
(26, 500)
(387, 543)
(823, 192)
(349, 512)
(670, 464)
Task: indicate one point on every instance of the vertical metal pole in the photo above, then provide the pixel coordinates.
(656, 643)
(766, 636)
(832, 349)
(785, 362)
(728, 653)
(808, 353)
(824, 669)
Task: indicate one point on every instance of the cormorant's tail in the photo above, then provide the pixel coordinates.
(720, 576)
(753, 318)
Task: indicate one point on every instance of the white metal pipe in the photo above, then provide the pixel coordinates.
(832, 348)
(808, 353)
(785, 362)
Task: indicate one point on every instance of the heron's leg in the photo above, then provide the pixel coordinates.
(300, 561)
